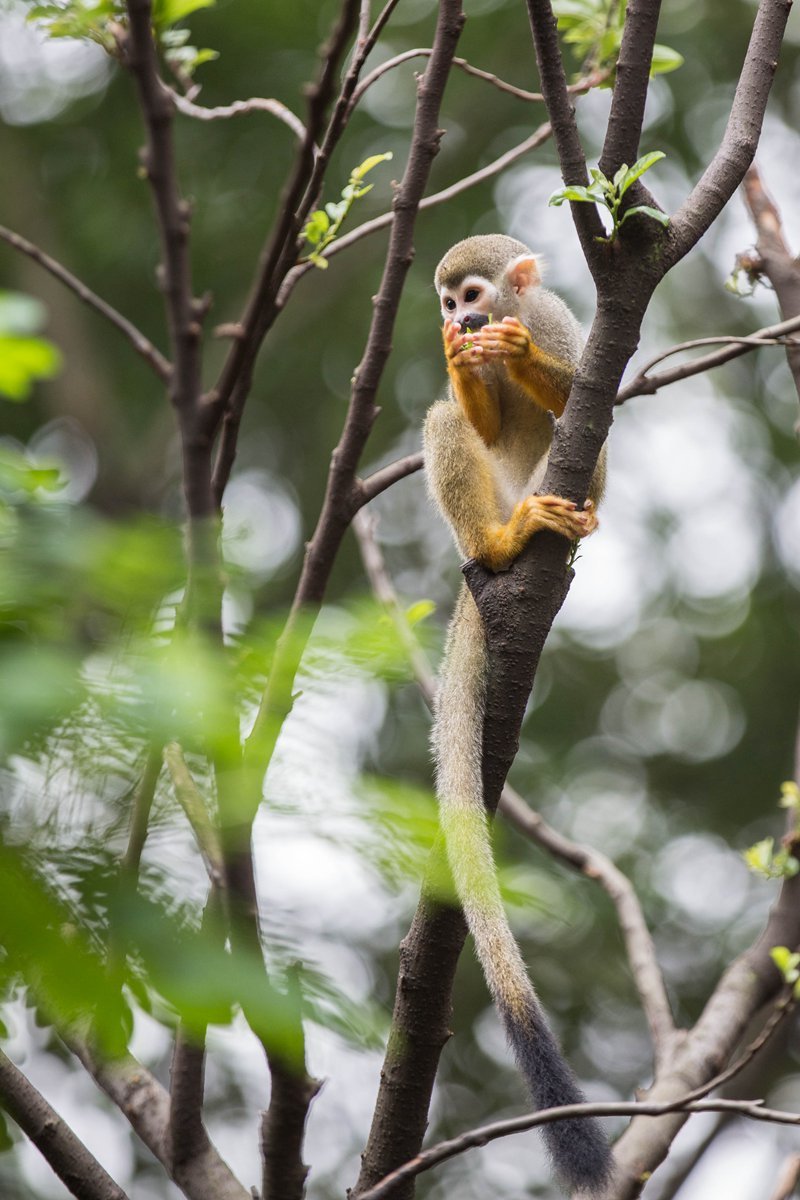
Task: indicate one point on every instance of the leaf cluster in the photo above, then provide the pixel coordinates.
(594, 29)
(103, 21)
(609, 193)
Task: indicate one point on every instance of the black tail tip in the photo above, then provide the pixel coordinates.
(578, 1148)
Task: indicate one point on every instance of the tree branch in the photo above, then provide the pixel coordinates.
(631, 80)
(144, 1102)
(776, 261)
(239, 108)
(188, 796)
(562, 116)
(752, 1109)
(142, 345)
(644, 384)
(75, 1166)
(227, 399)
(575, 89)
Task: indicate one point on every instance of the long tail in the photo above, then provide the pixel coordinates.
(579, 1151)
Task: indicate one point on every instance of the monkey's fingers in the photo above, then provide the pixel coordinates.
(506, 340)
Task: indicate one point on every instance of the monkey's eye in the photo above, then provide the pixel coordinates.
(471, 295)
(450, 304)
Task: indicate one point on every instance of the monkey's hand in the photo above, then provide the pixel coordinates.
(503, 543)
(465, 357)
(462, 350)
(547, 380)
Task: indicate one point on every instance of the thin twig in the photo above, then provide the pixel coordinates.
(581, 86)
(386, 476)
(239, 108)
(384, 220)
(227, 399)
(142, 345)
(75, 1166)
(647, 385)
(752, 1109)
(640, 949)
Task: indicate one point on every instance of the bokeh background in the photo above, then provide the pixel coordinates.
(664, 716)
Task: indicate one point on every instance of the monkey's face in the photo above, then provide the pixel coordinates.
(471, 303)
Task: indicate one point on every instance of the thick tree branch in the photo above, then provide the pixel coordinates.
(75, 1166)
(562, 117)
(631, 80)
(727, 169)
(143, 347)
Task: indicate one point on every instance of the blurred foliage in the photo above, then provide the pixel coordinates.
(661, 736)
(23, 358)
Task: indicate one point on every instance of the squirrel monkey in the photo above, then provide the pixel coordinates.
(511, 349)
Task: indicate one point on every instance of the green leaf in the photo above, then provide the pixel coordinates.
(23, 360)
(168, 12)
(790, 795)
(638, 169)
(419, 611)
(368, 164)
(665, 59)
(316, 227)
(586, 195)
(787, 963)
(759, 857)
(647, 211)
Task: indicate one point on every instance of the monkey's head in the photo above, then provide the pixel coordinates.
(483, 276)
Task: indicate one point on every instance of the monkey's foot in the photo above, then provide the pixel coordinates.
(558, 515)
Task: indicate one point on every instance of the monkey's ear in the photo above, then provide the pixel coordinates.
(523, 273)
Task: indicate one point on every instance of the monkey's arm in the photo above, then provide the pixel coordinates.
(461, 481)
(546, 379)
(480, 406)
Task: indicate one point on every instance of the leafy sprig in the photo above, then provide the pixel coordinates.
(324, 224)
(102, 21)
(609, 193)
(594, 29)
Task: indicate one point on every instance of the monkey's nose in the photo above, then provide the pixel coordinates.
(472, 322)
